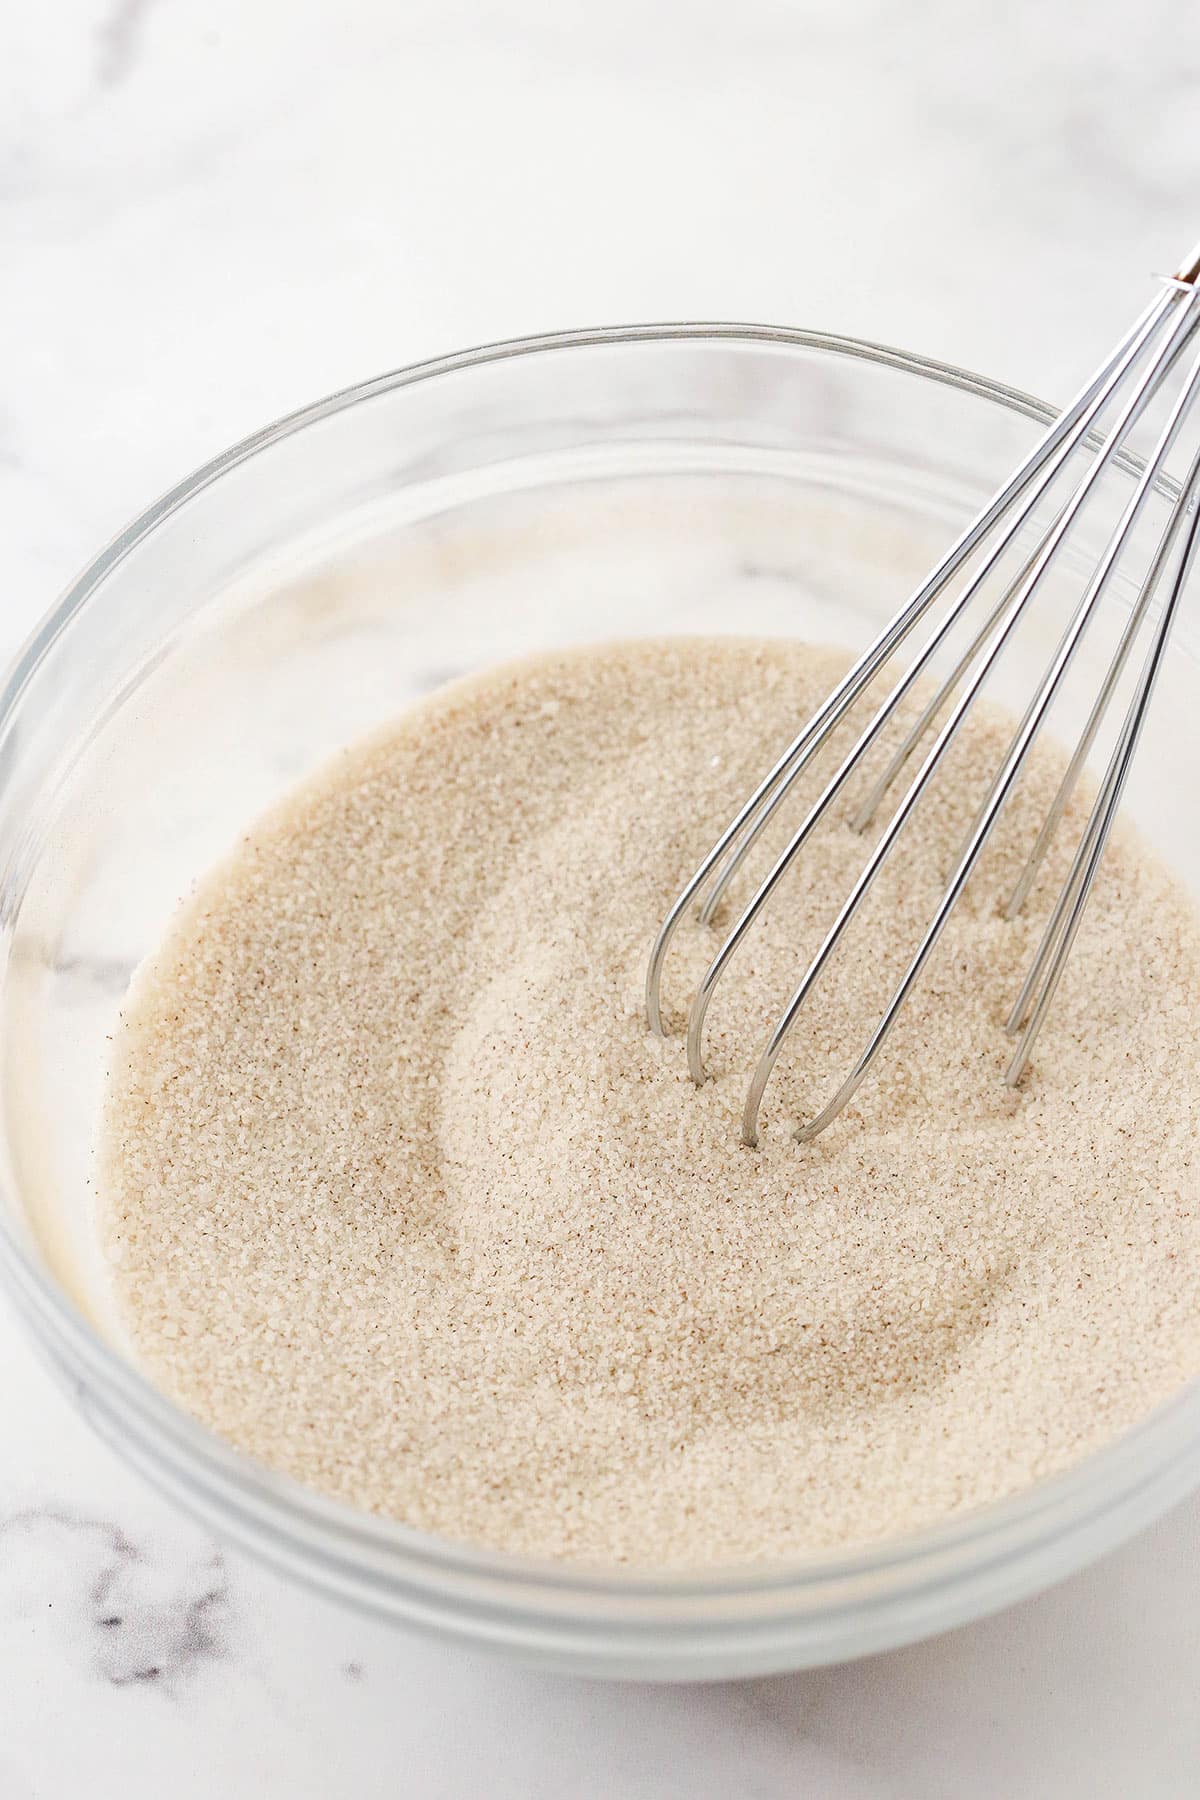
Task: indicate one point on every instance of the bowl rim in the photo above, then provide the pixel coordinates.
(1162, 1451)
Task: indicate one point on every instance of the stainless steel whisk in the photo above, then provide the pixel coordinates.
(1127, 380)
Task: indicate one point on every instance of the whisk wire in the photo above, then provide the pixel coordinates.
(1088, 402)
(1129, 416)
(1005, 779)
(1119, 761)
(1155, 341)
(1095, 719)
(1018, 593)
(936, 704)
(1024, 592)
(1062, 522)
(1099, 390)
(1078, 888)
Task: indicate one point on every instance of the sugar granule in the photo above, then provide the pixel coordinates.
(403, 1198)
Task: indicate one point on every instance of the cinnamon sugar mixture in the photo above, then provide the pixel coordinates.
(402, 1197)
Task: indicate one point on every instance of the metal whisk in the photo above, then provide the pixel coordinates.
(1126, 381)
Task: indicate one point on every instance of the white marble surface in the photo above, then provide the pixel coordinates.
(210, 213)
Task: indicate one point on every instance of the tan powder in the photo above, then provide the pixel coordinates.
(403, 1199)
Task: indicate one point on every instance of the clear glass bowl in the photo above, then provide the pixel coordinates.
(306, 586)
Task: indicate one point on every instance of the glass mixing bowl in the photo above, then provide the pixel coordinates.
(305, 587)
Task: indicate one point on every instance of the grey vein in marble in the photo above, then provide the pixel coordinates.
(140, 1620)
(117, 41)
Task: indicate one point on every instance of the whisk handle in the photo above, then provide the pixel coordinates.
(1189, 269)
